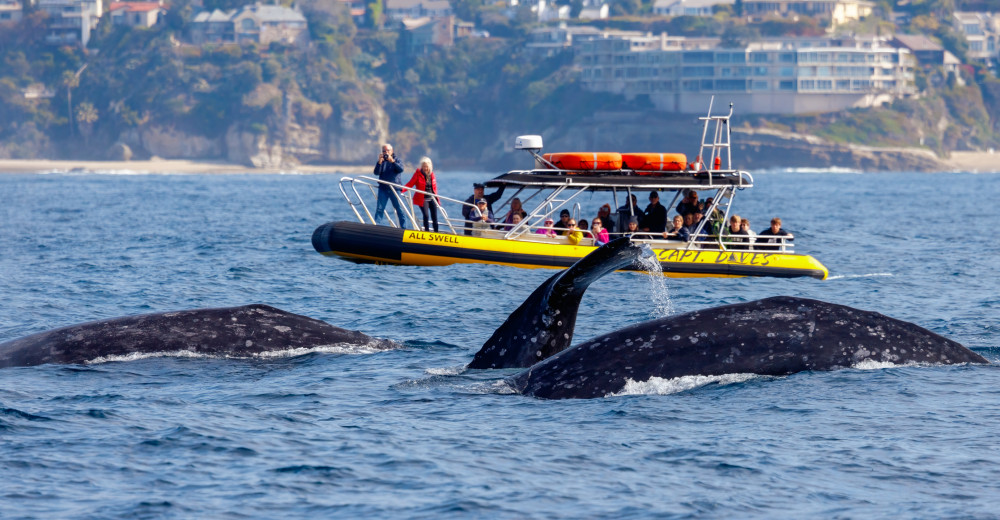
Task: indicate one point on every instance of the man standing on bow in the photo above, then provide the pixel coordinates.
(388, 169)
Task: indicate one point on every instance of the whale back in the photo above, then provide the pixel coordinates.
(775, 336)
(543, 324)
(231, 331)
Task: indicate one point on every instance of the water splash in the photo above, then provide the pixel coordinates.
(659, 293)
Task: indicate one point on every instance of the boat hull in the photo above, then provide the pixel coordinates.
(388, 245)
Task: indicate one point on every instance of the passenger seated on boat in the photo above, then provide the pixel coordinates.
(678, 231)
(482, 219)
(745, 226)
(774, 235)
(515, 209)
(633, 226)
(600, 234)
(654, 219)
(513, 224)
(573, 234)
(478, 192)
(547, 232)
(584, 228)
(715, 215)
(734, 236)
(605, 215)
(696, 220)
(688, 204)
(563, 223)
(627, 211)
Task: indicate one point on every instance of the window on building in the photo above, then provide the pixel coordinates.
(730, 84)
(807, 84)
(824, 84)
(722, 57)
(703, 70)
(739, 57)
(843, 84)
(690, 85)
(698, 57)
(786, 85)
(786, 72)
(759, 57)
(787, 57)
(760, 71)
(759, 84)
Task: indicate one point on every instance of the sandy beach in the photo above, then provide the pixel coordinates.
(976, 162)
(163, 166)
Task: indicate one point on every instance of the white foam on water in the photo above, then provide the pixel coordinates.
(343, 348)
(340, 348)
(850, 276)
(661, 386)
(870, 364)
(446, 371)
(135, 356)
(659, 293)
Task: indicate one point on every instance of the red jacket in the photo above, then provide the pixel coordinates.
(419, 182)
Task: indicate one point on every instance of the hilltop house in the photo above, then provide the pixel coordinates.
(687, 7)
(136, 14)
(398, 10)
(70, 21)
(837, 11)
(10, 10)
(981, 31)
(421, 34)
(255, 23)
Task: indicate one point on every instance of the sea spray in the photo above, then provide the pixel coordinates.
(659, 294)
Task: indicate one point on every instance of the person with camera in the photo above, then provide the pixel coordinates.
(388, 169)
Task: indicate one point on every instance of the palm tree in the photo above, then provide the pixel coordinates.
(86, 116)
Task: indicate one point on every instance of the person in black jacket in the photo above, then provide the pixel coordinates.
(388, 169)
(654, 219)
(478, 193)
(774, 235)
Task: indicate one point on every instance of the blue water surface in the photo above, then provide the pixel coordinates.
(409, 434)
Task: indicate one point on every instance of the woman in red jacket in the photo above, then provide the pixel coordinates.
(424, 180)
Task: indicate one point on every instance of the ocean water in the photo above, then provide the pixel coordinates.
(409, 434)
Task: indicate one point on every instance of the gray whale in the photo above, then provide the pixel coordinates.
(774, 336)
(542, 325)
(231, 331)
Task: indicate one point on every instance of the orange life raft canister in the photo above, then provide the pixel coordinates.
(585, 160)
(652, 163)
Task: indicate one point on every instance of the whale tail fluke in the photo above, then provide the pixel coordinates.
(543, 325)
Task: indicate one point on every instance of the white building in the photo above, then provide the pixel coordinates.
(981, 30)
(70, 21)
(687, 7)
(786, 76)
(397, 10)
(598, 12)
(136, 14)
(10, 11)
(255, 23)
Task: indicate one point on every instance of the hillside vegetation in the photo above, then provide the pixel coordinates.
(354, 87)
